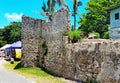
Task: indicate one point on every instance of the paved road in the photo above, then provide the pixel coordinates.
(7, 76)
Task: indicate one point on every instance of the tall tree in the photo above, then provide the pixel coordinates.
(76, 4)
(2, 42)
(97, 17)
(10, 33)
(62, 3)
(48, 9)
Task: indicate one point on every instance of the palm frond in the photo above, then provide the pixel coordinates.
(44, 7)
(48, 4)
(53, 5)
(59, 2)
(43, 13)
(79, 3)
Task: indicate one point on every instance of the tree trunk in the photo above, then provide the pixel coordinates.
(74, 22)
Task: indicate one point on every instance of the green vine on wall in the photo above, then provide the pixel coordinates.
(43, 51)
(90, 80)
(42, 45)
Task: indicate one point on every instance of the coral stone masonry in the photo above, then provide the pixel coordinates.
(35, 31)
(45, 46)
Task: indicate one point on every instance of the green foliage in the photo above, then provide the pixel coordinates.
(43, 47)
(106, 35)
(88, 80)
(2, 42)
(10, 33)
(49, 7)
(97, 17)
(74, 35)
(96, 34)
(41, 43)
(62, 3)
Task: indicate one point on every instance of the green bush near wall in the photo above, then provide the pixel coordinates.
(74, 36)
(106, 35)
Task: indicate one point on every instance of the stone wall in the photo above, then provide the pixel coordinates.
(97, 59)
(31, 34)
(89, 58)
(36, 31)
(54, 39)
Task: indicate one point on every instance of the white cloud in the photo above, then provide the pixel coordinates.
(13, 16)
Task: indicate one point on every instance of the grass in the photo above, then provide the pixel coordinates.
(35, 74)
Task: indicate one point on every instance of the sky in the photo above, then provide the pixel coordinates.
(12, 10)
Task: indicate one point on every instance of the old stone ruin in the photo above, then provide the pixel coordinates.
(44, 45)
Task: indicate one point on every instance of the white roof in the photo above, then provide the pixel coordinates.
(5, 46)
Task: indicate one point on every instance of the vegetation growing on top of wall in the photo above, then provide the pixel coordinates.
(74, 35)
(106, 35)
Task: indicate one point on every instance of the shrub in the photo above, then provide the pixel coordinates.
(74, 35)
(106, 35)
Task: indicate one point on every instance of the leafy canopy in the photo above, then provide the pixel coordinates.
(97, 17)
(10, 33)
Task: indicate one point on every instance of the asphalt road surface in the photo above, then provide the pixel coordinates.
(7, 76)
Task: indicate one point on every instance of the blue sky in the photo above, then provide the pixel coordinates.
(12, 10)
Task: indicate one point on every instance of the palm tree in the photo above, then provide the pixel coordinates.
(62, 3)
(76, 4)
(48, 9)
